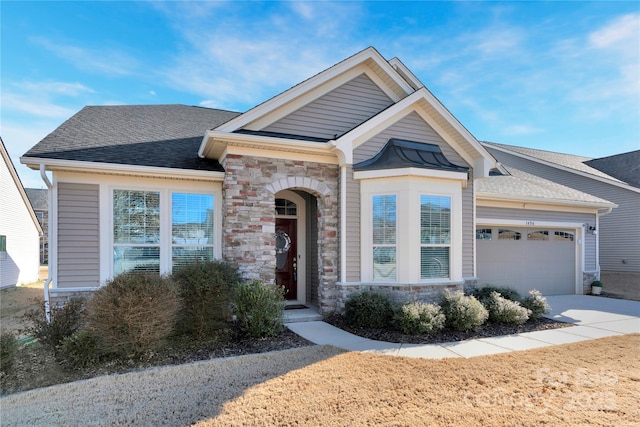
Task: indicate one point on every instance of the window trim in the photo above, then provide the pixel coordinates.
(408, 190)
(166, 242)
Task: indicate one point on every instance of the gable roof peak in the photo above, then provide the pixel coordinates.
(368, 60)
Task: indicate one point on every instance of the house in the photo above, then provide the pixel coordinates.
(616, 178)
(39, 199)
(356, 179)
(19, 228)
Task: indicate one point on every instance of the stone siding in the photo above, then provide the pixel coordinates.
(395, 292)
(248, 223)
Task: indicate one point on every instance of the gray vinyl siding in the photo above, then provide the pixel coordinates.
(336, 112)
(412, 128)
(78, 235)
(619, 231)
(535, 215)
(353, 228)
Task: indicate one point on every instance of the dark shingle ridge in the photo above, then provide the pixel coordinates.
(164, 135)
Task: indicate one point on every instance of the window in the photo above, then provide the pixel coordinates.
(538, 235)
(286, 207)
(508, 235)
(483, 234)
(192, 228)
(3, 247)
(136, 231)
(435, 236)
(384, 237)
(156, 231)
(563, 235)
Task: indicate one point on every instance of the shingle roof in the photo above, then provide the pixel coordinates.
(520, 184)
(144, 135)
(39, 198)
(625, 166)
(567, 160)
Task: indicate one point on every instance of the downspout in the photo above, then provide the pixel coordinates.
(47, 283)
(598, 215)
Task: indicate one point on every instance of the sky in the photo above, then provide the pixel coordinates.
(560, 76)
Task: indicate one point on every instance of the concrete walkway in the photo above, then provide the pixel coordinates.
(592, 317)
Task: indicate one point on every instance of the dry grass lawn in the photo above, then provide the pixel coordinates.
(15, 301)
(589, 383)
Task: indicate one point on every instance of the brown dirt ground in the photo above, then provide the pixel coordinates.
(589, 383)
(15, 301)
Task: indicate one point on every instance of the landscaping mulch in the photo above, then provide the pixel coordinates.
(446, 335)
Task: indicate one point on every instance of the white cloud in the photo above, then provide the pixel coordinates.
(620, 34)
(52, 87)
(275, 49)
(521, 129)
(33, 105)
(103, 60)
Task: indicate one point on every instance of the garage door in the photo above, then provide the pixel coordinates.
(525, 259)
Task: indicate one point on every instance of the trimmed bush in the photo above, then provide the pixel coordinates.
(133, 313)
(536, 303)
(65, 321)
(419, 318)
(369, 310)
(462, 312)
(484, 293)
(502, 310)
(8, 347)
(259, 308)
(205, 290)
(80, 350)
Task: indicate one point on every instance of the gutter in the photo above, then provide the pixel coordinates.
(47, 283)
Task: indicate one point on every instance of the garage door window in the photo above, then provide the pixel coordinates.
(504, 234)
(538, 235)
(483, 234)
(563, 235)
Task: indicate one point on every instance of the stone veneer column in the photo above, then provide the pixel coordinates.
(248, 215)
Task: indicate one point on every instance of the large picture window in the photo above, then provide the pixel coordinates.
(435, 236)
(156, 231)
(384, 237)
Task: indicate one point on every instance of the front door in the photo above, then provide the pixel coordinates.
(286, 256)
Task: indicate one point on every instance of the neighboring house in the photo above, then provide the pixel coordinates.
(39, 199)
(615, 178)
(19, 228)
(356, 179)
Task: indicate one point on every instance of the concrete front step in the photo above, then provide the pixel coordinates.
(301, 315)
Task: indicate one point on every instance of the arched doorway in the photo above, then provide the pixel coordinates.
(291, 245)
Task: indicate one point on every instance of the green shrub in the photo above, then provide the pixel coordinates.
(536, 303)
(8, 347)
(80, 350)
(259, 308)
(368, 309)
(484, 293)
(418, 318)
(462, 312)
(133, 312)
(64, 321)
(502, 310)
(205, 290)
